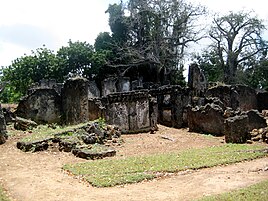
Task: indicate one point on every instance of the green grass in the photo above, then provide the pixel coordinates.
(3, 196)
(43, 132)
(106, 173)
(257, 192)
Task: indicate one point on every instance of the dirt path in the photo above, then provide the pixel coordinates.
(38, 176)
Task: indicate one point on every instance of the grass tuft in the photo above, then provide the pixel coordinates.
(257, 192)
(3, 196)
(106, 173)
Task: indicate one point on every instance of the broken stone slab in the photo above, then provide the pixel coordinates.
(92, 154)
(206, 119)
(66, 146)
(24, 124)
(260, 135)
(33, 146)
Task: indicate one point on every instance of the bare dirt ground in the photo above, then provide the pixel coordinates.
(38, 176)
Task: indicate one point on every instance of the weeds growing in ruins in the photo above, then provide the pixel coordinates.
(106, 173)
(257, 192)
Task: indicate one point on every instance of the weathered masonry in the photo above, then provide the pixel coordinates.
(135, 106)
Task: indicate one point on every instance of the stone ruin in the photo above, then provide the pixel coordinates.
(138, 107)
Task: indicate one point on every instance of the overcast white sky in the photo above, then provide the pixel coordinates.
(26, 25)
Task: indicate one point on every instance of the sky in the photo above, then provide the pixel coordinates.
(26, 25)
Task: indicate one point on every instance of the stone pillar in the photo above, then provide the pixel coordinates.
(75, 101)
(197, 80)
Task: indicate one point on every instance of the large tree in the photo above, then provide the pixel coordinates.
(237, 38)
(155, 33)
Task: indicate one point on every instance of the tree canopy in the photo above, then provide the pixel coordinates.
(236, 39)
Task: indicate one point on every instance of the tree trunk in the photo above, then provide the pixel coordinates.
(230, 69)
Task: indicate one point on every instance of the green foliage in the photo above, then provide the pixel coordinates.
(153, 35)
(257, 192)
(76, 58)
(107, 173)
(211, 65)
(103, 42)
(25, 71)
(101, 122)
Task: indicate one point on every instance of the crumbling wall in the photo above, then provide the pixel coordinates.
(75, 101)
(172, 102)
(109, 86)
(130, 111)
(123, 84)
(236, 97)
(41, 106)
(46, 84)
(237, 128)
(206, 119)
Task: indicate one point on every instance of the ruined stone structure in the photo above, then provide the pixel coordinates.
(3, 133)
(172, 103)
(93, 90)
(206, 119)
(75, 101)
(196, 81)
(238, 96)
(237, 129)
(214, 110)
(129, 110)
(43, 105)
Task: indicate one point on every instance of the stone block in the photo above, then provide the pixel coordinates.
(206, 119)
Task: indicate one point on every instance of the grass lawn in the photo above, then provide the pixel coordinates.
(111, 172)
(257, 192)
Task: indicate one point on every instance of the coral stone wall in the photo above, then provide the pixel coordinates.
(75, 101)
(41, 106)
(130, 111)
